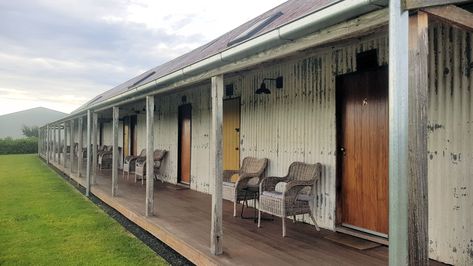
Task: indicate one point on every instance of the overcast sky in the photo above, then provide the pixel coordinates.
(60, 53)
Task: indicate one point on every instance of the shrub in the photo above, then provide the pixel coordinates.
(18, 146)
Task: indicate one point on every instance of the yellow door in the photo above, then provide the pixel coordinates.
(231, 134)
(126, 138)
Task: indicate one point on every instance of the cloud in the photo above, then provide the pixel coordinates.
(62, 53)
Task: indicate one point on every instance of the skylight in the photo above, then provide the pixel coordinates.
(142, 79)
(255, 28)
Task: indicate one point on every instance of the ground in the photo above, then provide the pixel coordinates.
(45, 221)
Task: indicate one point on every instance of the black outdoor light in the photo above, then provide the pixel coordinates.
(263, 89)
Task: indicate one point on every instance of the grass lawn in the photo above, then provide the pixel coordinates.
(45, 221)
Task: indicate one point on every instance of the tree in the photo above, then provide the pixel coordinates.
(30, 131)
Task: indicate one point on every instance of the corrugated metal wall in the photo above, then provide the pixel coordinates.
(450, 145)
(166, 134)
(297, 123)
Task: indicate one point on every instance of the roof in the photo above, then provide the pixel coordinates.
(270, 20)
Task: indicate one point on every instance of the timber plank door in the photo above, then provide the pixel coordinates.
(363, 136)
(133, 135)
(185, 131)
(231, 134)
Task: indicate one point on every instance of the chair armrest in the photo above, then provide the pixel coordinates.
(140, 160)
(294, 187)
(269, 183)
(157, 164)
(129, 158)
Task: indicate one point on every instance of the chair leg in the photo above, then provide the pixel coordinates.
(259, 218)
(234, 207)
(294, 219)
(313, 220)
(283, 226)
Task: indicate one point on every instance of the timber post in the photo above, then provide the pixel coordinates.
(64, 147)
(88, 137)
(80, 146)
(418, 101)
(59, 139)
(94, 147)
(115, 116)
(72, 144)
(216, 165)
(47, 142)
(149, 155)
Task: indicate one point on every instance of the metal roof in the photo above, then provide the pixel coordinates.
(291, 10)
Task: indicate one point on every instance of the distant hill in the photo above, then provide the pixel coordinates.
(11, 124)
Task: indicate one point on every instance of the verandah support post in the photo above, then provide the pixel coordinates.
(94, 147)
(59, 148)
(398, 133)
(64, 147)
(54, 143)
(418, 100)
(149, 155)
(48, 135)
(80, 146)
(72, 144)
(88, 137)
(115, 115)
(216, 166)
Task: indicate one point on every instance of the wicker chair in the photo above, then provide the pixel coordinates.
(140, 164)
(106, 158)
(249, 176)
(103, 154)
(129, 163)
(290, 201)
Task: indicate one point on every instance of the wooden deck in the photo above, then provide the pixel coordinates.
(182, 221)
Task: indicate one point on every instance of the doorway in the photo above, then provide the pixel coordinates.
(185, 136)
(363, 136)
(231, 134)
(129, 135)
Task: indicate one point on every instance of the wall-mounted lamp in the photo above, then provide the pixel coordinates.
(263, 89)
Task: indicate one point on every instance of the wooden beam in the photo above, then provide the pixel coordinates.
(149, 155)
(115, 116)
(89, 151)
(415, 4)
(216, 165)
(54, 143)
(80, 146)
(59, 150)
(453, 15)
(64, 147)
(418, 101)
(95, 146)
(72, 143)
(398, 133)
(48, 137)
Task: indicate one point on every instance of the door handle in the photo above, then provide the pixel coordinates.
(237, 130)
(343, 151)
(236, 148)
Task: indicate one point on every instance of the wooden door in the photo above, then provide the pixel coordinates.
(126, 137)
(185, 131)
(133, 135)
(363, 129)
(231, 134)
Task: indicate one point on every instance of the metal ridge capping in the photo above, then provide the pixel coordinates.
(325, 17)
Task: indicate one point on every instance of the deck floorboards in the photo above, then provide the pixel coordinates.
(182, 221)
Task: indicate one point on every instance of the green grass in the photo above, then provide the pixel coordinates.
(45, 221)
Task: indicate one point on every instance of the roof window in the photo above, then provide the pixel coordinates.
(255, 28)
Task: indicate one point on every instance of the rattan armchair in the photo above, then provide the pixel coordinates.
(249, 176)
(102, 156)
(289, 201)
(106, 158)
(129, 163)
(140, 164)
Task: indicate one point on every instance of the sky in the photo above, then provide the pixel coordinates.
(59, 54)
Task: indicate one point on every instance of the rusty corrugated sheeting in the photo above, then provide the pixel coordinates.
(450, 145)
(297, 123)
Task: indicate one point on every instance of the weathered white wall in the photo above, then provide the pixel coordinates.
(166, 134)
(450, 145)
(107, 138)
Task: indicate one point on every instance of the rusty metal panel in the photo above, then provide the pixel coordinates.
(297, 123)
(450, 145)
